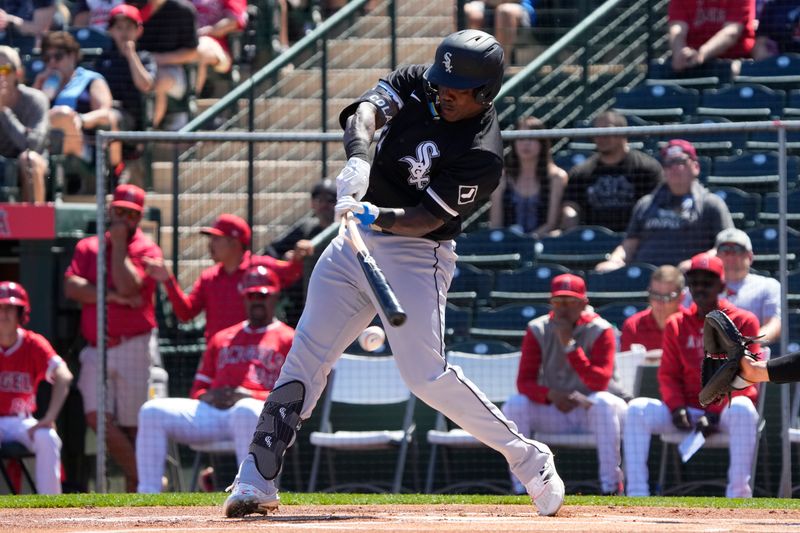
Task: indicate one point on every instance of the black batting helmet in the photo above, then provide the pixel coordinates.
(469, 59)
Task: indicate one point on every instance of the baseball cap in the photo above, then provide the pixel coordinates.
(128, 196)
(734, 236)
(568, 285)
(259, 279)
(228, 225)
(676, 148)
(324, 187)
(709, 263)
(127, 11)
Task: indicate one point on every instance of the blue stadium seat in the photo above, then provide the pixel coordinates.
(753, 172)
(530, 284)
(92, 42)
(723, 143)
(567, 159)
(25, 44)
(793, 293)
(750, 102)
(580, 248)
(32, 65)
(507, 323)
(765, 247)
(457, 321)
(481, 347)
(769, 213)
(496, 248)
(792, 109)
(743, 205)
(768, 140)
(617, 313)
(657, 102)
(778, 72)
(626, 284)
(711, 74)
(470, 285)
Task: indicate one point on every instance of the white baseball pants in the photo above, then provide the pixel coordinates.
(46, 444)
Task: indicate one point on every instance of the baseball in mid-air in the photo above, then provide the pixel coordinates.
(371, 338)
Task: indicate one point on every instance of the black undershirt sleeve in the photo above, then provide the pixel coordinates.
(785, 369)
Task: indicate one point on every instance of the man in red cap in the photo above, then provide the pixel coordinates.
(229, 240)
(131, 335)
(565, 371)
(238, 369)
(679, 383)
(679, 219)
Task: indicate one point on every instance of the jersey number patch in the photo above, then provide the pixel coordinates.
(420, 167)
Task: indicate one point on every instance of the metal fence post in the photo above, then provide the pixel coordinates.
(101, 483)
(785, 487)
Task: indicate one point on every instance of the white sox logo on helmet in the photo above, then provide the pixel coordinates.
(448, 65)
(419, 167)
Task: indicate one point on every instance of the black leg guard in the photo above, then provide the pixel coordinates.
(277, 427)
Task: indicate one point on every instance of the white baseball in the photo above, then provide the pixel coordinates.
(372, 338)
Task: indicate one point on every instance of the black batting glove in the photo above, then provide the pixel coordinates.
(680, 419)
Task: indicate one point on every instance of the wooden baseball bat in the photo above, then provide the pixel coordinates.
(387, 300)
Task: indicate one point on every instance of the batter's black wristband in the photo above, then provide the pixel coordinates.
(785, 369)
(386, 218)
(357, 147)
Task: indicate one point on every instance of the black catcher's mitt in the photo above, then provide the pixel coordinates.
(724, 347)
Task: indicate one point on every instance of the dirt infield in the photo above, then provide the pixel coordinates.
(402, 518)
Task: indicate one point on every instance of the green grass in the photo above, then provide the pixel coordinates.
(190, 499)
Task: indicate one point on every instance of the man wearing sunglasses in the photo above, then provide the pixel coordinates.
(24, 126)
(679, 383)
(131, 334)
(646, 328)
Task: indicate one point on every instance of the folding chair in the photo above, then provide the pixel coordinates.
(657, 102)
(752, 102)
(579, 248)
(625, 284)
(507, 322)
(752, 172)
(496, 376)
(743, 206)
(18, 452)
(530, 285)
(496, 248)
(777, 72)
(361, 383)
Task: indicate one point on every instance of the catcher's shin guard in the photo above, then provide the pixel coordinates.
(276, 428)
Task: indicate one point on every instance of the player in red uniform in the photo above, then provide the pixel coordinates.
(26, 358)
(646, 328)
(238, 370)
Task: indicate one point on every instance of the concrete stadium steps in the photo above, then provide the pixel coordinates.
(407, 26)
(281, 113)
(231, 176)
(274, 151)
(376, 52)
(202, 209)
(193, 245)
(342, 83)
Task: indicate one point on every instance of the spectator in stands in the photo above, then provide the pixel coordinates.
(28, 17)
(80, 98)
(701, 30)
(216, 291)
(170, 35)
(131, 335)
(564, 375)
(677, 220)
(215, 20)
(27, 359)
(94, 14)
(758, 294)
(504, 17)
(603, 189)
(24, 125)
(646, 328)
(237, 372)
(679, 383)
(530, 193)
(778, 29)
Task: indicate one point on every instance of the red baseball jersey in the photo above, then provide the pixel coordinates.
(643, 329)
(22, 366)
(214, 284)
(122, 320)
(682, 360)
(706, 17)
(242, 357)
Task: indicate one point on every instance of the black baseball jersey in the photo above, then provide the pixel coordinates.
(449, 167)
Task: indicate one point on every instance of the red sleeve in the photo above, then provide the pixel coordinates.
(288, 271)
(237, 9)
(186, 307)
(740, 12)
(670, 371)
(595, 371)
(77, 267)
(678, 10)
(528, 376)
(628, 332)
(207, 369)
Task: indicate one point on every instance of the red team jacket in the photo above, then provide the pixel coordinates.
(22, 366)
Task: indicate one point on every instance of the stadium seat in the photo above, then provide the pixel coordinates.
(710, 144)
(25, 44)
(753, 172)
(579, 248)
(768, 140)
(373, 386)
(793, 295)
(18, 452)
(567, 159)
(496, 376)
(711, 74)
(792, 109)
(657, 102)
(625, 284)
(457, 321)
(531, 285)
(742, 205)
(751, 102)
(498, 248)
(481, 347)
(9, 180)
(778, 72)
(470, 285)
(765, 247)
(617, 313)
(33, 65)
(507, 322)
(92, 42)
(769, 213)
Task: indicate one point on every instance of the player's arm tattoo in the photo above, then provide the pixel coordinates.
(360, 130)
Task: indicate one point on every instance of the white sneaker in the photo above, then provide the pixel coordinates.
(246, 499)
(547, 489)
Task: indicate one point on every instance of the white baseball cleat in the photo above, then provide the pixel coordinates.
(547, 489)
(245, 499)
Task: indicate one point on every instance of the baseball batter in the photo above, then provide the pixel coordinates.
(438, 158)
(26, 358)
